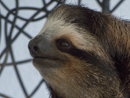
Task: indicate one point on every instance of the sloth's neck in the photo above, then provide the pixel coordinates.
(120, 37)
(115, 38)
(117, 43)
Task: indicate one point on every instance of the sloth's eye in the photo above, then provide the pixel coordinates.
(63, 44)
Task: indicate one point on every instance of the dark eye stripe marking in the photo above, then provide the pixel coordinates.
(91, 58)
(83, 55)
(88, 57)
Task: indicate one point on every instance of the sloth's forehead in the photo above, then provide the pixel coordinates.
(54, 28)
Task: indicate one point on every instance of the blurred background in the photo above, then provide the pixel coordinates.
(21, 20)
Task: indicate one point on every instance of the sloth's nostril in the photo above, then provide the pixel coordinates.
(35, 48)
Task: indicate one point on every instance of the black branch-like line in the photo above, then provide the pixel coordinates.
(2, 65)
(16, 36)
(17, 63)
(4, 96)
(29, 8)
(2, 53)
(114, 8)
(79, 2)
(4, 5)
(0, 23)
(100, 3)
(23, 8)
(17, 73)
(117, 5)
(22, 31)
(36, 89)
(14, 20)
(8, 38)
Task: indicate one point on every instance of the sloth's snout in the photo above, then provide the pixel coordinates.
(33, 48)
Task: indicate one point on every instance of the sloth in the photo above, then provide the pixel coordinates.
(82, 53)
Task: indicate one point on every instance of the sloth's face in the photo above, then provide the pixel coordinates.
(57, 47)
(61, 50)
(60, 46)
(70, 58)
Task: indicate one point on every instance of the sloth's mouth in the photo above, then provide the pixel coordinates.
(47, 58)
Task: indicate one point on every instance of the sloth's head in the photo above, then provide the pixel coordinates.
(70, 56)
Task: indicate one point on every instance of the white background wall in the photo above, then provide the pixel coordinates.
(9, 85)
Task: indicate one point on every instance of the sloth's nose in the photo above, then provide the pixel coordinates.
(33, 48)
(40, 46)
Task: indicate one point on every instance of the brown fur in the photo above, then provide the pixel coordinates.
(104, 71)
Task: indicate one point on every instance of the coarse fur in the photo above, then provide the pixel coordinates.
(83, 53)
